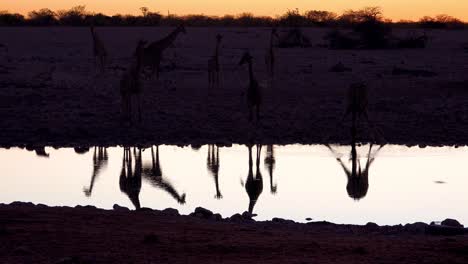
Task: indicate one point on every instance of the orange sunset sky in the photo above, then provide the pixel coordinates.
(394, 9)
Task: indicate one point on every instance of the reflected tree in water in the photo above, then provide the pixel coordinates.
(153, 174)
(100, 159)
(130, 177)
(254, 185)
(270, 166)
(212, 162)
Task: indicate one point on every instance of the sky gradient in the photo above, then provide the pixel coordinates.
(394, 9)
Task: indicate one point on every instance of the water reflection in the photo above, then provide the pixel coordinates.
(270, 166)
(130, 175)
(164, 176)
(100, 160)
(153, 174)
(212, 162)
(254, 185)
(40, 151)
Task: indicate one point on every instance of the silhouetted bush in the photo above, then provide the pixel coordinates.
(321, 18)
(441, 21)
(361, 20)
(8, 19)
(72, 17)
(42, 17)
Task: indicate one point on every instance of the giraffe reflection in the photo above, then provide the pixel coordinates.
(212, 163)
(100, 159)
(270, 166)
(153, 174)
(254, 185)
(130, 178)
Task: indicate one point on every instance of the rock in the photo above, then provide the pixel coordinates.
(247, 215)
(371, 225)
(416, 228)
(440, 230)
(119, 208)
(282, 221)
(145, 209)
(22, 251)
(86, 207)
(170, 212)
(151, 239)
(216, 217)
(21, 204)
(236, 218)
(340, 68)
(451, 223)
(74, 260)
(359, 250)
(202, 213)
(308, 219)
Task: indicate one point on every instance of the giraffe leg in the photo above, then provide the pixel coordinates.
(139, 108)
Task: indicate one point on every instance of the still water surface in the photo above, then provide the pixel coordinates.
(402, 185)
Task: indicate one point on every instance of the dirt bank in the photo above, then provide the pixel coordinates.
(40, 234)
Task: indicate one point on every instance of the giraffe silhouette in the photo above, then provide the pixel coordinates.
(213, 64)
(153, 54)
(270, 166)
(99, 50)
(153, 174)
(254, 185)
(130, 84)
(358, 177)
(254, 95)
(212, 162)
(130, 178)
(270, 57)
(100, 160)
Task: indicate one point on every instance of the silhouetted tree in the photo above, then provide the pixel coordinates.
(72, 17)
(321, 18)
(8, 19)
(42, 17)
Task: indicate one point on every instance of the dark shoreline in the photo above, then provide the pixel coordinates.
(85, 234)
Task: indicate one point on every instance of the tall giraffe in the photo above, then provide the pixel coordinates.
(270, 55)
(254, 96)
(154, 52)
(212, 163)
(154, 175)
(213, 64)
(99, 50)
(130, 84)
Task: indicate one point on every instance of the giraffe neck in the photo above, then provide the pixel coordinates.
(167, 41)
(251, 75)
(217, 50)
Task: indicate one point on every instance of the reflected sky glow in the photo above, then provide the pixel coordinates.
(310, 182)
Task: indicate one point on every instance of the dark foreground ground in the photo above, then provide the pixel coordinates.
(51, 94)
(39, 234)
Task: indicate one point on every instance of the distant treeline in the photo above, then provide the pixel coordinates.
(79, 16)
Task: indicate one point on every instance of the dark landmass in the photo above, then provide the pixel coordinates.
(41, 234)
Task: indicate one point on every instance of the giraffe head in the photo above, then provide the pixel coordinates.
(246, 58)
(181, 29)
(219, 38)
